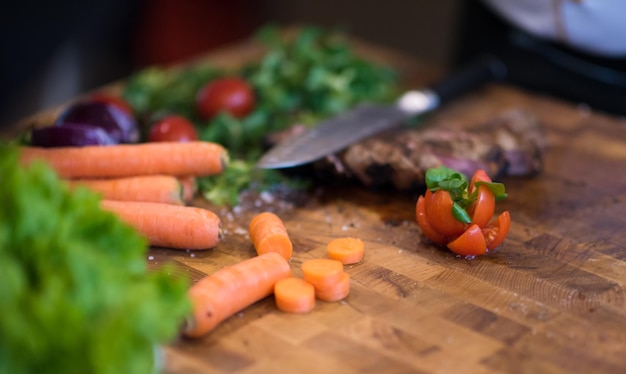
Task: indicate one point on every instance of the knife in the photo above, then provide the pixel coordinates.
(367, 119)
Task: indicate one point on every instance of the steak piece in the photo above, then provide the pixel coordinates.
(510, 144)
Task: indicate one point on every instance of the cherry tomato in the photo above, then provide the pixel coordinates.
(496, 232)
(438, 206)
(116, 101)
(470, 243)
(434, 213)
(422, 221)
(172, 128)
(232, 95)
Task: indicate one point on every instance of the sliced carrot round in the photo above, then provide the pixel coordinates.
(294, 295)
(322, 272)
(347, 250)
(336, 291)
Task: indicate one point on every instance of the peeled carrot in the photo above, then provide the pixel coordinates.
(268, 234)
(322, 272)
(190, 187)
(125, 160)
(231, 289)
(149, 188)
(170, 226)
(346, 250)
(337, 291)
(294, 295)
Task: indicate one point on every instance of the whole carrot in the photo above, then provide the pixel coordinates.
(229, 290)
(268, 234)
(171, 226)
(149, 188)
(125, 160)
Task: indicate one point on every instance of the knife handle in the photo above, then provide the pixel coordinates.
(483, 70)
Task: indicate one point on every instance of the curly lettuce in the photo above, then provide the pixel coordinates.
(75, 294)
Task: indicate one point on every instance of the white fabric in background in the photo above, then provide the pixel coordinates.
(593, 26)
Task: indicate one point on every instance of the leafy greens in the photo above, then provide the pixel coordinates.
(299, 80)
(75, 293)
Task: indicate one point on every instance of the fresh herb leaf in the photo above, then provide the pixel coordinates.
(497, 189)
(460, 213)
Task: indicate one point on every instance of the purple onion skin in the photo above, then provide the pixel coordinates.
(120, 126)
(70, 135)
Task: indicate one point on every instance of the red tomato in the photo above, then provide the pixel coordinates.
(232, 95)
(172, 128)
(470, 243)
(116, 101)
(438, 206)
(482, 210)
(422, 221)
(497, 231)
(480, 175)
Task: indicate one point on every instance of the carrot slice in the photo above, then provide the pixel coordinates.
(218, 296)
(170, 226)
(269, 234)
(294, 295)
(322, 272)
(151, 188)
(347, 250)
(125, 160)
(336, 291)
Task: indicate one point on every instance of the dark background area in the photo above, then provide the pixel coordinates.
(55, 50)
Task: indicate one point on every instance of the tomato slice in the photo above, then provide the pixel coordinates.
(470, 243)
(483, 208)
(438, 206)
(422, 221)
(480, 175)
(497, 230)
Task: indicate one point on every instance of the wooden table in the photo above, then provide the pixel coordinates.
(551, 300)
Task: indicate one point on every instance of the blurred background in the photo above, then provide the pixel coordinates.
(55, 50)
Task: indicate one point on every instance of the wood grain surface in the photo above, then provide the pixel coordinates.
(550, 300)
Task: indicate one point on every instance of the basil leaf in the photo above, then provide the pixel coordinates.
(460, 213)
(497, 189)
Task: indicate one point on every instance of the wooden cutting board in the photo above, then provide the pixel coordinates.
(551, 300)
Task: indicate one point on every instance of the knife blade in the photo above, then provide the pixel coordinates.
(367, 119)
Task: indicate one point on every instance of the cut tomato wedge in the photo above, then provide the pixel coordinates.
(497, 230)
(470, 243)
(480, 175)
(483, 208)
(438, 207)
(422, 221)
